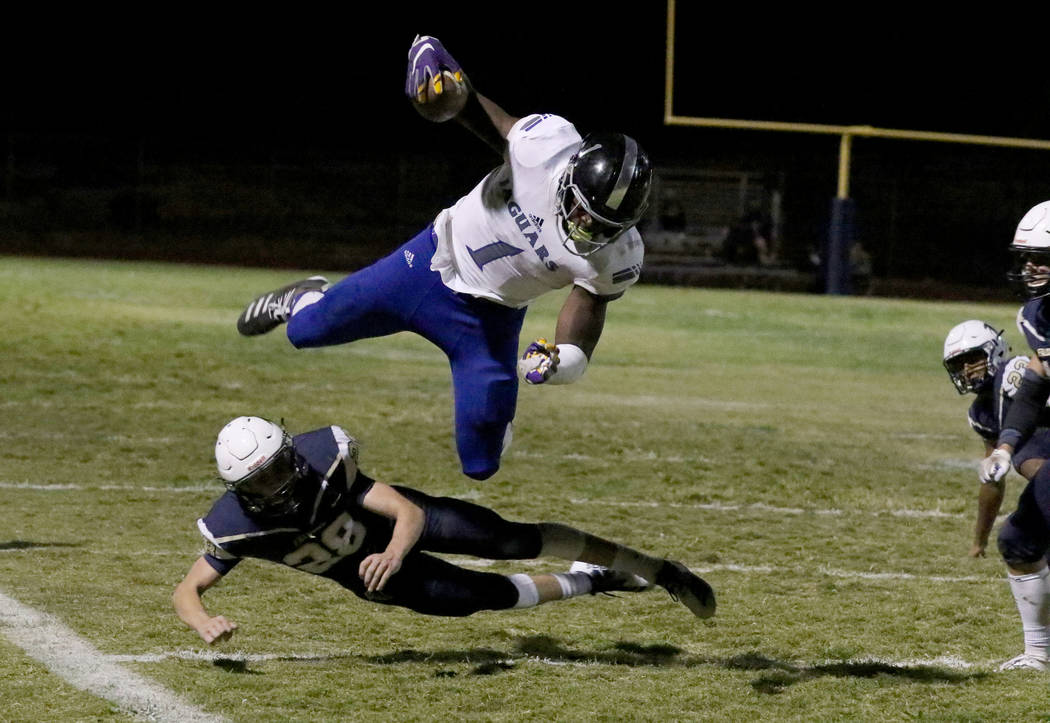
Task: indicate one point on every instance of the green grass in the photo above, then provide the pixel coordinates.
(807, 453)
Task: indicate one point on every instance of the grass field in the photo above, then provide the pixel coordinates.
(807, 455)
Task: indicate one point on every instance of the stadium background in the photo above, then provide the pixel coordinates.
(287, 141)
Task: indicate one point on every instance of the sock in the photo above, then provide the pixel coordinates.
(1032, 595)
(528, 593)
(573, 583)
(305, 299)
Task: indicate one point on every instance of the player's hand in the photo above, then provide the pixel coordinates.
(216, 630)
(427, 58)
(539, 362)
(378, 568)
(977, 550)
(994, 467)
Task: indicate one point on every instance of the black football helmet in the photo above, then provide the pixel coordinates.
(603, 192)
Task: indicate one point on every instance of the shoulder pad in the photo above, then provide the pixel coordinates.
(536, 139)
(1012, 373)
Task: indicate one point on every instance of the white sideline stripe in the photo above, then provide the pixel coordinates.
(710, 506)
(45, 639)
(941, 661)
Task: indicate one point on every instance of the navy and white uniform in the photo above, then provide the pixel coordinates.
(465, 282)
(330, 533)
(1025, 536)
(988, 410)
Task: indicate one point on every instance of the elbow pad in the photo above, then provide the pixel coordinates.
(572, 363)
(1028, 404)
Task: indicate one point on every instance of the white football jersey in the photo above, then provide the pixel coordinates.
(503, 242)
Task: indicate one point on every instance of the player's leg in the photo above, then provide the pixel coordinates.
(483, 358)
(375, 301)
(570, 543)
(371, 302)
(459, 527)
(1023, 542)
(433, 586)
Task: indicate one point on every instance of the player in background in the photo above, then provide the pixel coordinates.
(1025, 536)
(303, 502)
(976, 357)
(559, 212)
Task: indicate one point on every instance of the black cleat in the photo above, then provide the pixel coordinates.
(273, 308)
(687, 588)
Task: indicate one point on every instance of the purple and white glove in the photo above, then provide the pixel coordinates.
(539, 362)
(427, 59)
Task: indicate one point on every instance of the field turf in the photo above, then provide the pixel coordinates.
(806, 454)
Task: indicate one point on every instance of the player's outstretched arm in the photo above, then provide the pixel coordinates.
(190, 609)
(580, 324)
(439, 90)
(989, 500)
(378, 568)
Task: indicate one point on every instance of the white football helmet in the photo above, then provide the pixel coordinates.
(973, 354)
(257, 462)
(1031, 251)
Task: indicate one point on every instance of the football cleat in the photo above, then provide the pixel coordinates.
(1025, 661)
(273, 308)
(687, 588)
(606, 580)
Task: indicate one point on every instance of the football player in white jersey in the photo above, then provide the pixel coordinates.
(559, 213)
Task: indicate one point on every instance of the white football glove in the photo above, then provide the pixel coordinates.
(994, 467)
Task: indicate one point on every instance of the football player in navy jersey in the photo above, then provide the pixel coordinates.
(1025, 536)
(560, 212)
(302, 501)
(977, 361)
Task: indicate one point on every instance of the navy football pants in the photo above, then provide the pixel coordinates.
(480, 339)
(430, 585)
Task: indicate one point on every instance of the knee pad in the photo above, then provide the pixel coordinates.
(1017, 547)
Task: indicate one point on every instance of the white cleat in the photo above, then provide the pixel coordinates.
(1025, 661)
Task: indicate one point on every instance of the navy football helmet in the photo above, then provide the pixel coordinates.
(603, 192)
(257, 462)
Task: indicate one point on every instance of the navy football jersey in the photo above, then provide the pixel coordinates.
(988, 410)
(1033, 322)
(327, 535)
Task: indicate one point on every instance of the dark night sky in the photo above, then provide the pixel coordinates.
(309, 78)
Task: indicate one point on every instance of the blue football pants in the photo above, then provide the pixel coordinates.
(479, 337)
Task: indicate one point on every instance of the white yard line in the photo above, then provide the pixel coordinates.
(706, 506)
(762, 507)
(45, 639)
(943, 661)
